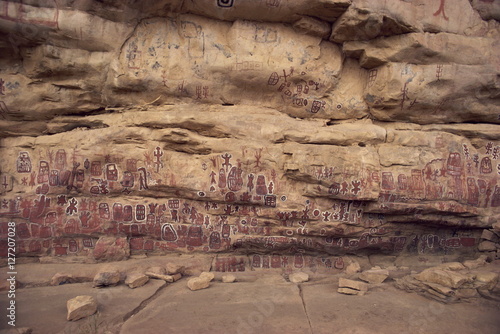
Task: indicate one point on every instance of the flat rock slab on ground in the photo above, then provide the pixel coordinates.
(223, 308)
(392, 311)
(44, 309)
(264, 306)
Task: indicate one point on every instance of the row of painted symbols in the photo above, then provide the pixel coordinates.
(235, 263)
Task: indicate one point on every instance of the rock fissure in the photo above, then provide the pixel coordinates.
(144, 303)
(301, 294)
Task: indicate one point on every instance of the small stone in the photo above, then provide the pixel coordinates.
(466, 293)
(473, 264)
(486, 280)
(198, 283)
(207, 275)
(81, 307)
(176, 277)
(496, 228)
(487, 246)
(374, 276)
(166, 278)
(59, 279)
(135, 280)
(353, 268)
(152, 271)
(348, 291)
(228, 279)
(298, 277)
(159, 273)
(489, 235)
(106, 278)
(173, 268)
(349, 283)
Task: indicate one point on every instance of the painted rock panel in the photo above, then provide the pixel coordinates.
(274, 134)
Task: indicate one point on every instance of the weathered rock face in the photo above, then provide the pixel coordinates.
(288, 133)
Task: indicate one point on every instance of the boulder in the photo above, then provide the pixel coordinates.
(157, 270)
(443, 290)
(374, 276)
(176, 277)
(207, 275)
(135, 280)
(352, 284)
(198, 283)
(473, 264)
(228, 278)
(487, 246)
(166, 278)
(445, 278)
(430, 290)
(353, 268)
(488, 9)
(464, 293)
(201, 282)
(496, 228)
(107, 278)
(489, 235)
(81, 307)
(173, 268)
(485, 280)
(109, 249)
(59, 279)
(298, 277)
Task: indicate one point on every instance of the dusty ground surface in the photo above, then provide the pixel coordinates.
(262, 302)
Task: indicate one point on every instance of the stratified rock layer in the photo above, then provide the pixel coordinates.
(277, 134)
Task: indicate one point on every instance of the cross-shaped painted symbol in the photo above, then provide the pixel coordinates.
(158, 154)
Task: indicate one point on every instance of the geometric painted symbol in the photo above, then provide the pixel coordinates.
(225, 3)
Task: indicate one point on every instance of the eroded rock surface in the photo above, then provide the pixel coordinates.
(274, 134)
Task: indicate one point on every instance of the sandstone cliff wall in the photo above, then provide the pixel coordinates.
(292, 132)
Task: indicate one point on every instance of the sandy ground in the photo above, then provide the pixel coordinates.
(262, 303)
